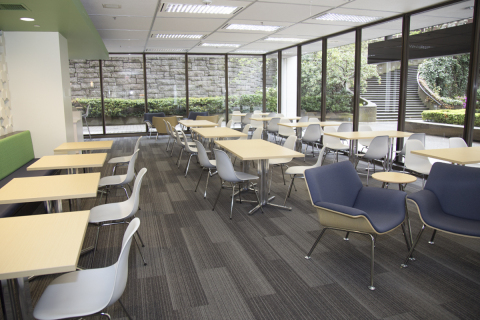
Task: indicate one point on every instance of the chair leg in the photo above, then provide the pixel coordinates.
(218, 196)
(289, 190)
(88, 127)
(315, 244)
(188, 164)
(372, 262)
(368, 170)
(206, 185)
(179, 158)
(114, 169)
(270, 182)
(283, 175)
(140, 251)
(346, 238)
(404, 265)
(125, 189)
(233, 198)
(105, 315)
(95, 246)
(433, 237)
(258, 198)
(124, 309)
(200, 178)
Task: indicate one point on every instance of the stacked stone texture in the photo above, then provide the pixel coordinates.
(6, 118)
(123, 77)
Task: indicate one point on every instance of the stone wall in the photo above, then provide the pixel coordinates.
(123, 76)
(6, 119)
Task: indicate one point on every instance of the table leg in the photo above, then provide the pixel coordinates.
(8, 300)
(25, 298)
(389, 155)
(265, 133)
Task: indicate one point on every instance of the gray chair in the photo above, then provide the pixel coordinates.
(189, 148)
(378, 150)
(122, 161)
(206, 164)
(272, 127)
(246, 120)
(227, 173)
(312, 137)
(416, 136)
(303, 119)
(84, 117)
(280, 162)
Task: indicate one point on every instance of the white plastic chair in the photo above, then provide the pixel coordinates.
(378, 150)
(289, 144)
(272, 127)
(303, 119)
(455, 142)
(87, 292)
(297, 172)
(256, 124)
(312, 137)
(257, 134)
(236, 119)
(416, 163)
(229, 124)
(333, 143)
(206, 164)
(364, 142)
(84, 117)
(314, 120)
(118, 213)
(227, 173)
(122, 161)
(285, 132)
(192, 150)
(220, 122)
(257, 111)
(246, 120)
(118, 181)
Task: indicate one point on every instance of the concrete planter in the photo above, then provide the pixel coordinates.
(115, 121)
(439, 129)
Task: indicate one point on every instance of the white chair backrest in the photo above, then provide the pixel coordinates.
(378, 148)
(257, 111)
(303, 119)
(202, 156)
(320, 158)
(256, 123)
(121, 266)
(285, 131)
(257, 134)
(345, 127)
(132, 202)
(137, 144)
(313, 120)
(313, 133)
(290, 142)
(273, 124)
(455, 142)
(131, 168)
(272, 115)
(220, 121)
(185, 143)
(246, 130)
(329, 139)
(365, 142)
(177, 136)
(236, 118)
(413, 161)
(230, 123)
(246, 119)
(225, 167)
(416, 136)
(279, 115)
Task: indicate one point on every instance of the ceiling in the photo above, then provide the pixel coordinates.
(128, 26)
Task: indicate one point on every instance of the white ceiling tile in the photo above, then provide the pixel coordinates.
(187, 25)
(130, 43)
(261, 11)
(121, 22)
(123, 48)
(179, 44)
(326, 3)
(123, 34)
(398, 5)
(128, 7)
(235, 36)
(210, 50)
(311, 30)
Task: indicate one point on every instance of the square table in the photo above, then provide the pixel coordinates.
(83, 146)
(50, 188)
(265, 122)
(261, 151)
(197, 123)
(355, 135)
(462, 156)
(219, 132)
(69, 161)
(38, 245)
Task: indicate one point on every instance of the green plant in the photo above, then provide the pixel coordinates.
(456, 116)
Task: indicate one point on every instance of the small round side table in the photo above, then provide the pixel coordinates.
(394, 177)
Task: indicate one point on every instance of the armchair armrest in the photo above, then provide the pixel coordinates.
(340, 208)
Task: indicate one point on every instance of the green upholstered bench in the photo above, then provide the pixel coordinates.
(16, 154)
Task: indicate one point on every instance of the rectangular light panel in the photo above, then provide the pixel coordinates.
(252, 27)
(177, 36)
(197, 8)
(231, 45)
(346, 17)
(285, 39)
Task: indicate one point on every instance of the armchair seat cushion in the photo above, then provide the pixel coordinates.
(434, 216)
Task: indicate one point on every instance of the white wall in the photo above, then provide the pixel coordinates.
(40, 87)
(289, 87)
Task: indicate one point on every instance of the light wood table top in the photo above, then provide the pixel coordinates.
(368, 134)
(257, 149)
(41, 244)
(197, 123)
(260, 114)
(85, 145)
(58, 187)
(394, 177)
(270, 118)
(238, 114)
(219, 132)
(306, 124)
(69, 161)
(466, 155)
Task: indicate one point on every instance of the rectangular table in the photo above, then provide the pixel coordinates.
(50, 188)
(197, 123)
(69, 161)
(83, 146)
(261, 151)
(38, 245)
(356, 135)
(220, 132)
(462, 156)
(306, 124)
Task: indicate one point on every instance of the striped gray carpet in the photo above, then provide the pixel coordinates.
(201, 265)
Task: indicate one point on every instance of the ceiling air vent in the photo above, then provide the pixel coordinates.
(13, 6)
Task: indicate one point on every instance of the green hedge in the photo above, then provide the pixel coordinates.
(456, 116)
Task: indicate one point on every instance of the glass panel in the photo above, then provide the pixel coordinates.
(476, 134)
(245, 83)
(289, 82)
(85, 88)
(439, 55)
(312, 79)
(124, 97)
(340, 72)
(206, 84)
(272, 82)
(166, 84)
(380, 76)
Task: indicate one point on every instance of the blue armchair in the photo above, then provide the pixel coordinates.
(449, 202)
(343, 203)
(193, 115)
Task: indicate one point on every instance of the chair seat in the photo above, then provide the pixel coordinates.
(245, 176)
(423, 169)
(434, 216)
(124, 159)
(297, 170)
(108, 212)
(112, 180)
(213, 164)
(279, 161)
(76, 294)
(337, 146)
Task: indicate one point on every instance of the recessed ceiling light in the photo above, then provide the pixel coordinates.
(111, 6)
(250, 51)
(177, 36)
(228, 45)
(197, 8)
(284, 39)
(27, 19)
(252, 27)
(165, 50)
(346, 17)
